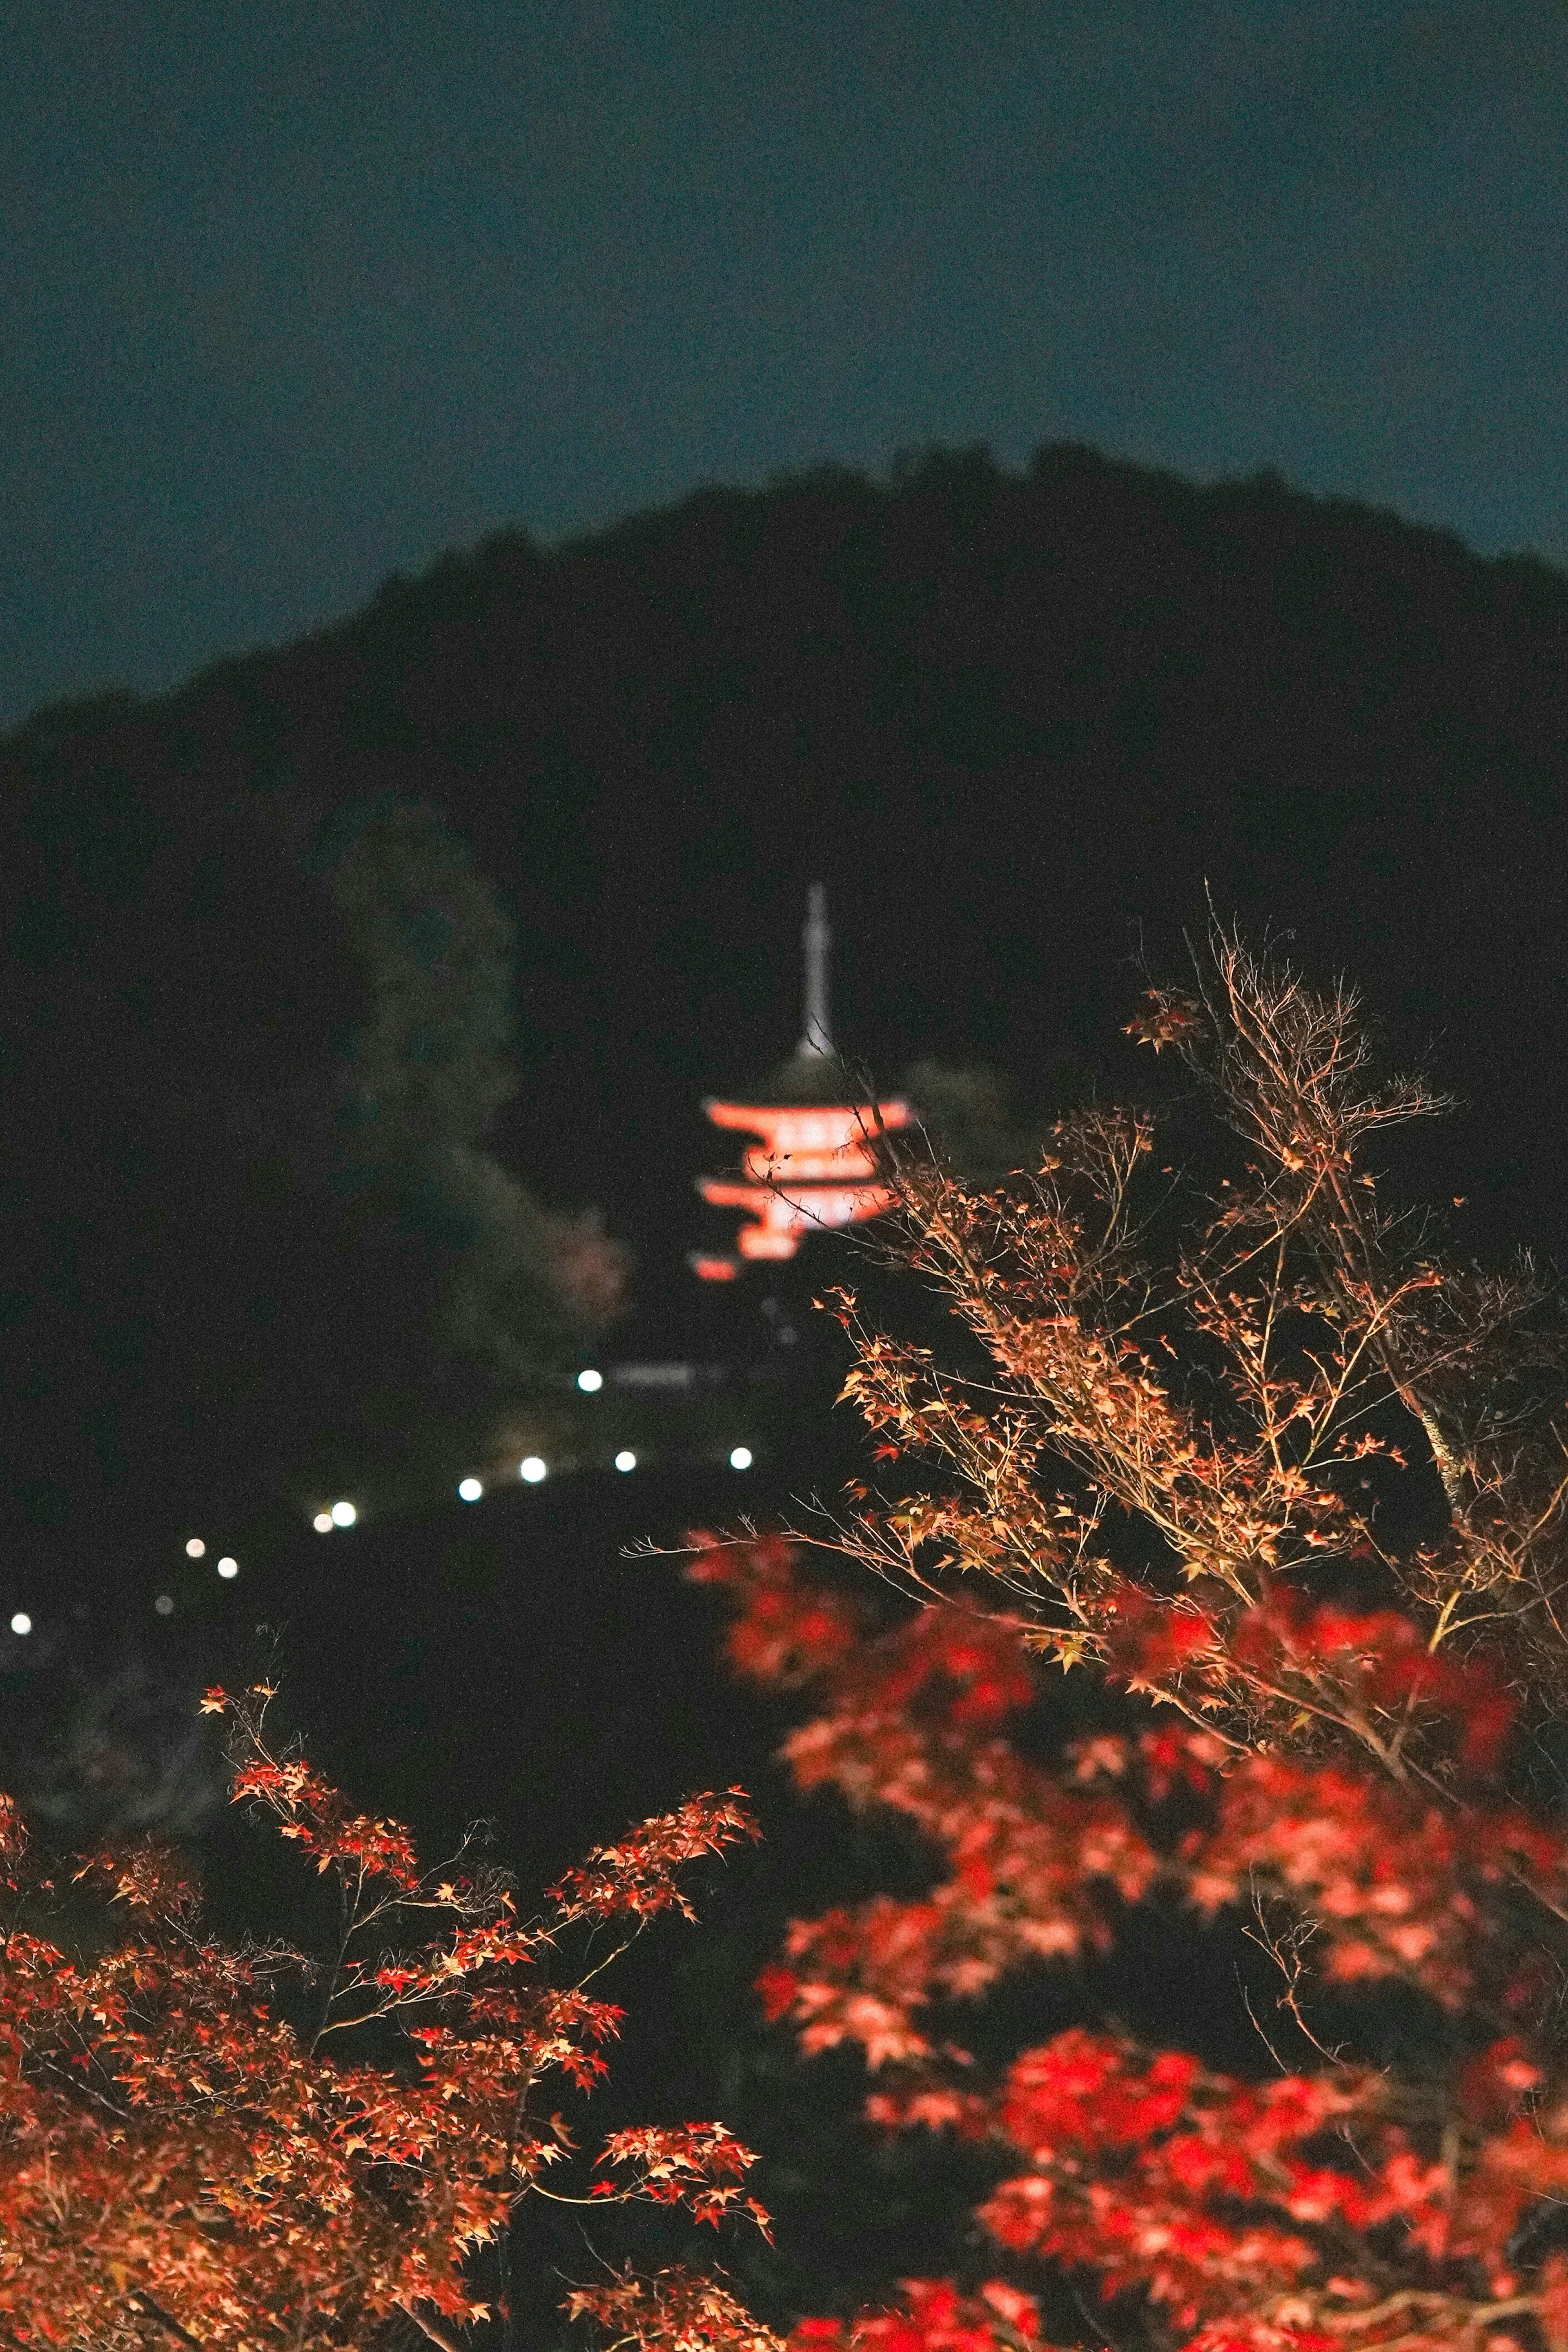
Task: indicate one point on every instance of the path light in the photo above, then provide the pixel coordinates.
(590, 1381)
(21, 1622)
(740, 1457)
(470, 1489)
(195, 1548)
(227, 1567)
(163, 1605)
(323, 1523)
(626, 1459)
(344, 1514)
(534, 1468)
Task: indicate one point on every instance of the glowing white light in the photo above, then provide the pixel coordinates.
(228, 1567)
(21, 1622)
(195, 1548)
(590, 1381)
(532, 1468)
(323, 1523)
(163, 1605)
(344, 1514)
(740, 1457)
(626, 1460)
(470, 1490)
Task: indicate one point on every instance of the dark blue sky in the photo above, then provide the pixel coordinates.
(295, 293)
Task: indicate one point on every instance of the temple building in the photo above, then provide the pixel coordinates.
(812, 1164)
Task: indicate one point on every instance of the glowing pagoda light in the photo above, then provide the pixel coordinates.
(470, 1489)
(783, 1215)
(195, 1548)
(21, 1622)
(533, 1467)
(323, 1523)
(626, 1459)
(740, 1457)
(814, 1166)
(344, 1514)
(590, 1382)
(227, 1567)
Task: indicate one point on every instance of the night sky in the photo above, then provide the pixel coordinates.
(295, 296)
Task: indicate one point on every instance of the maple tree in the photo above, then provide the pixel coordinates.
(1278, 1484)
(254, 2148)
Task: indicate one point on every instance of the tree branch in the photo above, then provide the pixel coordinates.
(430, 2327)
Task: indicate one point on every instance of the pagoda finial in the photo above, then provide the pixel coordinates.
(816, 1036)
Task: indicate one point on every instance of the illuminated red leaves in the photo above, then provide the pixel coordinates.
(700, 2165)
(789, 1629)
(1032, 1879)
(1376, 1667)
(858, 1976)
(1494, 2086)
(1279, 2216)
(1209, 2194)
(1380, 1659)
(974, 1664)
(311, 1812)
(935, 2318)
(1141, 2169)
(1150, 1639)
(672, 2311)
(180, 2157)
(1552, 2309)
(1172, 1019)
(1394, 1884)
(1081, 2092)
(148, 1878)
(779, 1637)
(636, 1876)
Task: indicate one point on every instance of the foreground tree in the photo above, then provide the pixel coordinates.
(1286, 1496)
(250, 2148)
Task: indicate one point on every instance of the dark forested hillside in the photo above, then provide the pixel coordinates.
(1019, 723)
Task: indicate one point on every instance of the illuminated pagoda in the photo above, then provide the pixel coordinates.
(812, 1166)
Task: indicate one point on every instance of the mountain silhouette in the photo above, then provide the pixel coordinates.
(1024, 725)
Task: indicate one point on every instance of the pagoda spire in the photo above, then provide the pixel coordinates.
(816, 1031)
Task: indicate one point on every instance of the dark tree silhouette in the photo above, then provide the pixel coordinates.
(248, 1224)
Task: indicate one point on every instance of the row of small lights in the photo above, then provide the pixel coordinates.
(533, 1467)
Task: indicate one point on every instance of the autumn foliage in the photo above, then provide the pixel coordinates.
(251, 2148)
(1233, 1537)
(1280, 1485)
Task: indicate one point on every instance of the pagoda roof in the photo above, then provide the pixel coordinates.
(804, 1076)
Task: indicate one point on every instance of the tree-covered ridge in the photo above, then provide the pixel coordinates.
(1019, 721)
(1074, 694)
